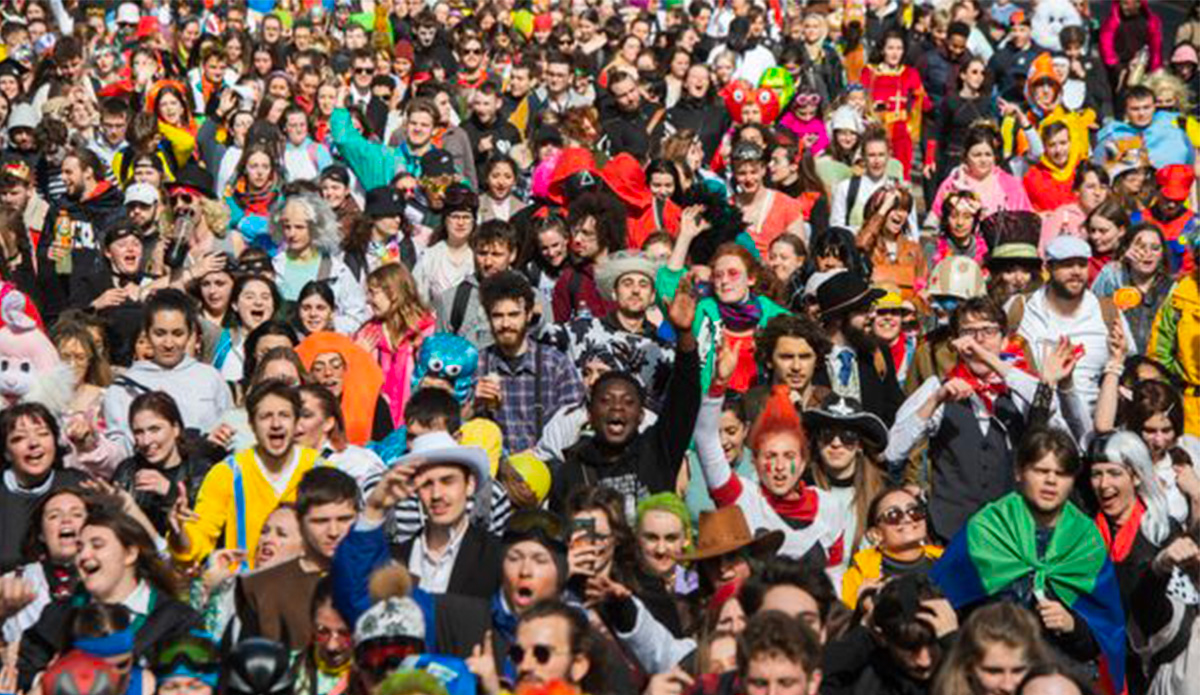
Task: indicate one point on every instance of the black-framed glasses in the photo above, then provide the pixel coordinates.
(981, 332)
(541, 654)
(894, 516)
(846, 436)
(364, 71)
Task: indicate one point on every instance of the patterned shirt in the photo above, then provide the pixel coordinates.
(518, 414)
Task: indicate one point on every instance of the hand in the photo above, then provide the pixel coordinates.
(368, 340)
(581, 556)
(107, 489)
(673, 682)
(227, 103)
(222, 435)
(150, 480)
(222, 565)
(482, 663)
(488, 391)
(1055, 616)
(1117, 347)
(16, 592)
(114, 296)
(1059, 362)
(602, 589)
(181, 512)
(1182, 551)
(485, 143)
(727, 360)
(954, 390)
(343, 96)
(79, 430)
(208, 263)
(939, 615)
(692, 223)
(395, 485)
(929, 170)
(682, 311)
(889, 200)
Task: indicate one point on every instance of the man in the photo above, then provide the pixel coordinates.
(857, 366)
(520, 99)
(19, 195)
(851, 195)
(70, 240)
(459, 310)
(972, 418)
(22, 123)
(490, 134)
(625, 119)
(1051, 558)
(362, 72)
(431, 46)
(117, 289)
(327, 505)
(144, 210)
(451, 554)
(566, 631)
(939, 69)
(376, 164)
(1159, 132)
(617, 454)
(1066, 308)
(1168, 211)
(555, 93)
(523, 381)
(699, 110)
(777, 654)
(239, 493)
(793, 349)
(114, 120)
(472, 61)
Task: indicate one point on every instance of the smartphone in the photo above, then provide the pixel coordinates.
(585, 524)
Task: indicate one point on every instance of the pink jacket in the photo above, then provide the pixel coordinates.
(397, 362)
(1112, 24)
(1000, 191)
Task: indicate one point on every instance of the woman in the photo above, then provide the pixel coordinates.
(840, 159)
(997, 645)
(959, 229)
(847, 446)
(163, 464)
(1089, 188)
(793, 171)
(214, 290)
(768, 213)
(393, 336)
(314, 309)
(449, 258)
(33, 468)
(960, 109)
(899, 537)
(1144, 544)
(1141, 262)
(89, 450)
(981, 174)
(255, 300)
(805, 120)
(1105, 227)
(899, 99)
(307, 234)
(255, 188)
(321, 427)
(785, 258)
(168, 101)
(118, 564)
(664, 533)
(547, 252)
(349, 372)
(887, 241)
(1050, 180)
(324, 667)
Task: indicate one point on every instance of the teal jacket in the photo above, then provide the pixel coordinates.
(373, 163)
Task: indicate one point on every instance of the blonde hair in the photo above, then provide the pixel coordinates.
(1161, 81)
(406, 309)
(997, 623)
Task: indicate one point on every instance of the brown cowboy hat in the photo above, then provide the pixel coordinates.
(723, 531)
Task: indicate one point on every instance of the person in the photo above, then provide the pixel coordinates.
(348, 371)
(768, 212)
(850, 195)
(393, 335)
(1168, 212)
(553, 630)
(89, 450)
(997, 647)
(663, 529)
(322, 427)
(886, 241)
(314, 308)
(327, 506)
(373, 163)
(449, 260)
(239, 493)
(982, 174)
(1081, 620)
(494, 247)
(598, 224)
(189, 663)
(1141, 262)
(899, 534)
(1106, 227)
(323, 665)
(898, 95)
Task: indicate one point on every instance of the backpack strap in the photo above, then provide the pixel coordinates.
(538, 408)
(458, 310)
(1016, 312)
(325, 269)
(852, 196)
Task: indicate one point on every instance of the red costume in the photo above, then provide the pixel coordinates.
(899, 100)
(1046, 191)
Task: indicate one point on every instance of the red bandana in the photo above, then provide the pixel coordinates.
(1119, 547)
(988, 389)
(802, 509)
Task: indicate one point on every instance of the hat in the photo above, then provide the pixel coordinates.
(1065, 247)
(439, 448)
(194, 177)
(384, 201)
(459, 198)
(146, 27)
(543, 22)
(190, 655)
(437, 162)
(957, 276)
(846, 118)
(23, 116)
(13, 168)
(1018, 252)
(1185, 53)
(746, 152)
(404, 49)
(78, 673)
(817, 279)
(891, 298)
(1119, 162)
(12, 68)
(141, 193)
(1011, 226)
(843, 293)
(839, 411)
(336, 172)
(1020, 17)
(391, 619)
(1175, 181)
(724, 530)
(533, 472)
(128, 13)
(258, 666)
(611, 269)
(119, 230)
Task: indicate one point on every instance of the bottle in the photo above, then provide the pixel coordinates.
(64, 239)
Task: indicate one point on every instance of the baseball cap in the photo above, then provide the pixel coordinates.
(1175, 181)
(437, 163)
(128, 13)
(141, 193)
(1065, 247)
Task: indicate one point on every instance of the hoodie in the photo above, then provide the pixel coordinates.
(1122, 37)
(644, 214)
(79, 224)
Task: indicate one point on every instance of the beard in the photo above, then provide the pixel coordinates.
(863, 342)
(1062, 291)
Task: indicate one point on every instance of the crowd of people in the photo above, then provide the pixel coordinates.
(718, 347)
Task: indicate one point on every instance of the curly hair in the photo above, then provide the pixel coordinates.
(609, 213)
(790, 326)
(323, 226)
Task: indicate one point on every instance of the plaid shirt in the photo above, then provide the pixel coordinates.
(517, 415)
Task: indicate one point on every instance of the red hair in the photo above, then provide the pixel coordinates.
(778, 416)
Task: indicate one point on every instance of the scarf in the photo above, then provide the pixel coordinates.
(742, 316)
(62, 579)
(987, 388)
(1120, 545)
(975, 249)
(254, 202)
(803, 509)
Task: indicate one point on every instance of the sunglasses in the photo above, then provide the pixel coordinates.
(196, 655)
(541, 654)
(472, 51)
(894, 516)
(185, 198)
(364, 71)
(845, 436)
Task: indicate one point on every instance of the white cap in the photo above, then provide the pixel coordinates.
(23, 116)
(846, 117)
(1064, 247)
(142, 193)
(128, 13)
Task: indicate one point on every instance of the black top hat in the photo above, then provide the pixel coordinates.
(384, 201)
(196, 178)
(845, 292)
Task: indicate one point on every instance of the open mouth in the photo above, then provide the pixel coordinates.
(523, 596)
(616, 428)
(88, 568)
(258, 314)
(68, 535)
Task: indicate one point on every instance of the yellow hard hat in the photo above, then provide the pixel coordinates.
(534, 472)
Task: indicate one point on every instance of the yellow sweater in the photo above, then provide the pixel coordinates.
(217, 504)
(867, 566)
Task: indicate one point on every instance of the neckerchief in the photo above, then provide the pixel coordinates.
(258, 202)
(802, 509)
(742, 316)
(988, 389)
(1120, 545)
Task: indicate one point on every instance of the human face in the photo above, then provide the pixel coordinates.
(274, 424)
(1115, 487)
(894, 524)
(775, 674)
(325, 525)
(329, 369)
(1055, 684)
(548, 637)
(62, 521)
(419, 129)
(113, 128)
(697, 81)
(72, 175)
(1045, 94)
(334, 192)
(1045, 486)
(634, 293)
(662, 185)
(155, 438)
(500, 182)
(600, 538)
(731, 279)
(661, 539)
(75, 355)
(748, 176)
(893, 52)
(1139, 112)
(493, 258)
(296, 127)
(974, 75)
(626, 95)
(558, 78)
(955, 46)
(1058, 149)
(793, 363)
(1069, 277)
(722, 654)
(315, 314)
(839, 452)
(326, 101)
(875, 154)
(1104, 235)
(471, 55)
(15, 197)
(987, 333)
(585, 239)
(733, 436)
(1159, 435)
(170, 109)
(615, 412)
(259, 170)
(444, 492)
(333, 638)
(314, 424)
(105, 565)
(254, 304)
(962, 222)
(294, 224)
(215, 292)
(780, 463)
(279, 540)
(885, 324)
(509, 320)
(1015, 277)
(1000, 670)
(529, 575)
(125, 254)
(981, 159)
(732, 617)
(169, 335)
(142, 215)
(782, 168)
